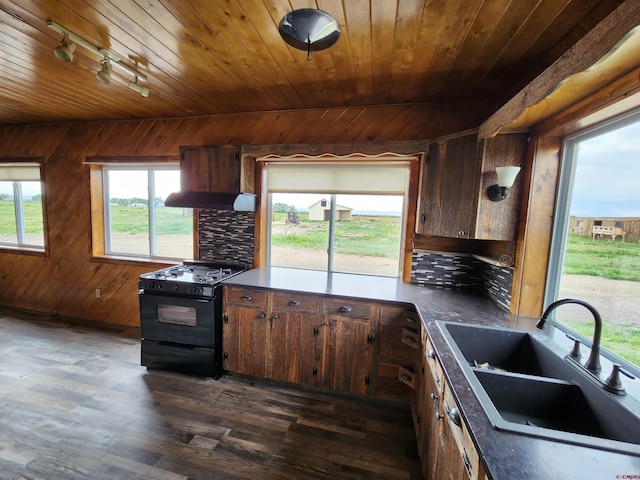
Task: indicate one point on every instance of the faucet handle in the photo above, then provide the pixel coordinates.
(613, 383)
(575, 351)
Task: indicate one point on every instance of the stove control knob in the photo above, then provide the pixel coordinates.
(156, 286)
(196, 290)
(175, 288)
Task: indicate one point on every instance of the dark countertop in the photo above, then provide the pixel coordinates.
(505, 455)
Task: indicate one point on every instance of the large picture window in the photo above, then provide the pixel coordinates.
(136, 221)
(596, 244)
(21, 210)
(337, 217)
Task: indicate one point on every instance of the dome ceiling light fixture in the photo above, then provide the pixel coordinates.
(309, 29)
(108, 58)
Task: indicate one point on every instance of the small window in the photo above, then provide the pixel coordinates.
(21, 211)
(136, 221)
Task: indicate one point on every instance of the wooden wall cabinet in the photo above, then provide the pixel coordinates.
(453, 200)
(215, 168)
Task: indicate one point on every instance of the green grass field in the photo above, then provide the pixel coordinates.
(363, 235)
(612, 260)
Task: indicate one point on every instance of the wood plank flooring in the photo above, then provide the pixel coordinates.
(76, 404)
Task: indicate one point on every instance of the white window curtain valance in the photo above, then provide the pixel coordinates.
(381, 178)
(20, 172)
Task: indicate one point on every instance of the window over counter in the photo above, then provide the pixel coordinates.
(21, 207)
(129, 218)
(596, 246)
(338, 216)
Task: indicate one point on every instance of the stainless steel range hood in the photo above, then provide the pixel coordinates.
(239, 202)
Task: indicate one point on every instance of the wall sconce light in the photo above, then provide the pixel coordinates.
(109, 59)
(104, 75)
(506, 177)
(65, 51)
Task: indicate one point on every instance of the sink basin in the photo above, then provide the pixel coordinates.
(525, 386)
(508, 350)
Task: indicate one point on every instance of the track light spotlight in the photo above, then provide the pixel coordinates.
(142, 90)
(104, 75)
(65, 51)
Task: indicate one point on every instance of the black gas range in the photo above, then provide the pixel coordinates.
(181, 316)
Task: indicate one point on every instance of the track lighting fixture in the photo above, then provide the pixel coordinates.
(144, 91)
(65, 51)
(104, 75)
(109, 59)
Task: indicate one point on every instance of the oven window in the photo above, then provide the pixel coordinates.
(177, 315)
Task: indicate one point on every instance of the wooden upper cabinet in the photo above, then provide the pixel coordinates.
(215, 168)
(455, 178)
(450, 179)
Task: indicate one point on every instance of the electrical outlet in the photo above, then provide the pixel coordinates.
(98, 293)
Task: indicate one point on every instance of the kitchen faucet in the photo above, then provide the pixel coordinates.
(593, 362)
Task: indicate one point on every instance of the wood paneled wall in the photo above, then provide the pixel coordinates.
(65, 280)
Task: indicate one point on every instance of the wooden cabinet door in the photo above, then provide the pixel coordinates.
(449, 190)
(292, 347)
(245, 341)
(344, 354)
(214, 168)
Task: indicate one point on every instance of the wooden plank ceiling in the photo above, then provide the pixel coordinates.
(206, 57)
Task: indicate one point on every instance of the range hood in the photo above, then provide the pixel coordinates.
(239, 202)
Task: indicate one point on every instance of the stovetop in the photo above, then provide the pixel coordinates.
(193, 277)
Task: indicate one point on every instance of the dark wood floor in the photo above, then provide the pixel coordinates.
(76, 404)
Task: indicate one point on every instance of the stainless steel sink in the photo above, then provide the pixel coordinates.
(525, 386)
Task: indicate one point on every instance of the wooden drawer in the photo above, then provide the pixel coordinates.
(347, 307)
(247, 297)
(407, 376)
(295, 302)
(399, 316)
(411, 338)
(458, 428)
(433, 364)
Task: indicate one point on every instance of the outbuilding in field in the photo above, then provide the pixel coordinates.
(320, 211)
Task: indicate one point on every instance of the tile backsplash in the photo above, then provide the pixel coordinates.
(462, 271)
(225, 235)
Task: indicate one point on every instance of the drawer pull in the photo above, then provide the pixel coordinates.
(409, 338)
(410, 320)
(406, 377)
(294, 303)
(247, 298)
(434, 396)
(454, 415)
(345, 309)
(276, 316)
(262, 315)
(431, 353)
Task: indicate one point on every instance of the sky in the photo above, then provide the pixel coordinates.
(607, 181)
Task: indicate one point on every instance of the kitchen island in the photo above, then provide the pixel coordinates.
(503, 455)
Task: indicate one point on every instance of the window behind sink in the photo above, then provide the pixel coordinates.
(596, 245)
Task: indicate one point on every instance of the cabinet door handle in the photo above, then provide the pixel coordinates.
(262, 315)
(454, 415)
(247, 298)
(434, 396)
(276, 316)
(431, 353)
(409, 338)
(345, 309)
(406, 377)
(294, 303)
